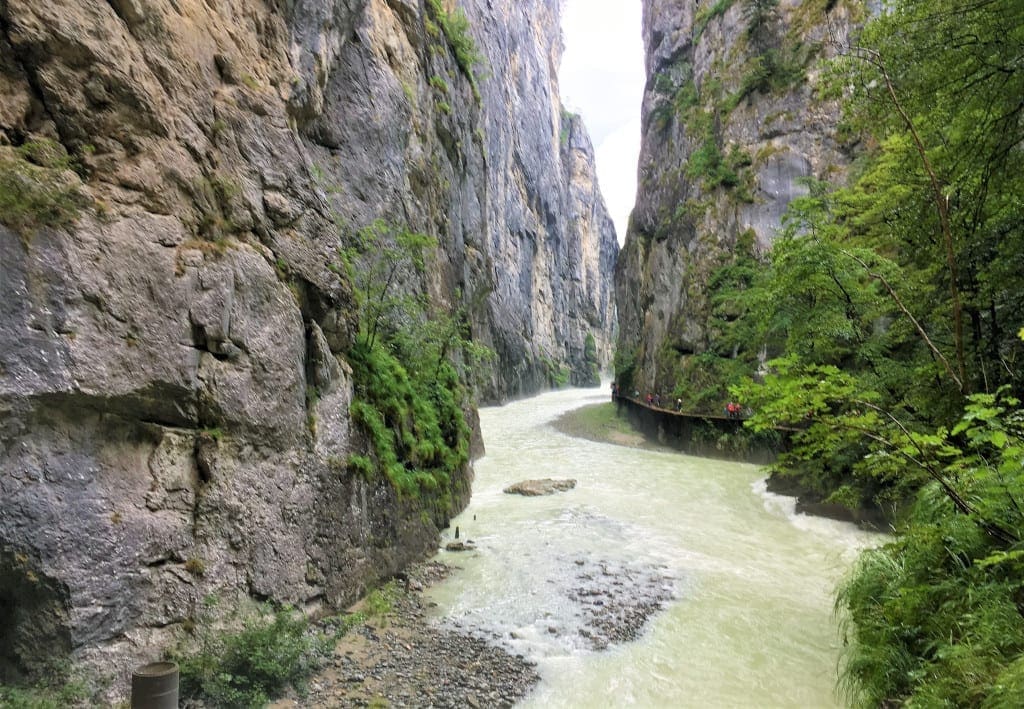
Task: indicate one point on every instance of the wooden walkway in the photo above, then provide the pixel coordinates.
(693, 415)
(673, 412)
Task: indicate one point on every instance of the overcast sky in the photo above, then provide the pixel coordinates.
(602, 78)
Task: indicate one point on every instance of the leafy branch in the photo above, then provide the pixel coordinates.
(874, 58)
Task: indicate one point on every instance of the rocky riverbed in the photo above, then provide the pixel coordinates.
(403, 659)
(406, 658)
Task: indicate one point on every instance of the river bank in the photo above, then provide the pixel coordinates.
(604, 423)
(400, 658)
(644, 582)
(404, 657)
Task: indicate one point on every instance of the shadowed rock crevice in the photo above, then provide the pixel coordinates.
(34, 615)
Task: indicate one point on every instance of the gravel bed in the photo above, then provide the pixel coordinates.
(406, 659)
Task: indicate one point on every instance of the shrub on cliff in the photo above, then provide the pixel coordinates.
(408, 363)
(37, 188)
(456, 30)
(415, 426)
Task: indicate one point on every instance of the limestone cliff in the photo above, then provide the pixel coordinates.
(731, 125)
(551, 248)
(178, 176)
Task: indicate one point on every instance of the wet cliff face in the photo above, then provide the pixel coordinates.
(552, 243)
(187, 172)
(731, 125)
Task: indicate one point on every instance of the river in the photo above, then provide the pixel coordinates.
(750, 621)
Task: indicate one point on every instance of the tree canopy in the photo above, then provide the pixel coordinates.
(893, 308)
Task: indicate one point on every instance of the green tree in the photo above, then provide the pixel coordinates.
(910, 278)
(384, 264)
(934, 618)
(936, 89)
(893, 301)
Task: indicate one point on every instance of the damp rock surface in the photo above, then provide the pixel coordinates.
(536, 488)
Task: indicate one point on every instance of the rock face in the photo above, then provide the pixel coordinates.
(731, 126)
(189, 170)
(552, 242)
(536, 488)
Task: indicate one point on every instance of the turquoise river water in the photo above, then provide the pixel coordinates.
(750, 623)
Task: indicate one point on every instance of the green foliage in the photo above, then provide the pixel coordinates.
(706, 13)
(438, 83)
(416, 428)
(409, 92)
(557, 375)
(247, 668)
(934, 618)
(590, 359)
(342, 625)
(215, 433)
(37, 188)
(566, 127)
(760, 15)
(953, 71)
(380, 258)
(678, 92)
(361, 466)
(455, 26)
(381, 600)
(406, 364)
(715, 170)
(58, 690)
(885, 305)
(772, 71)
(702, 381)
(706, 162)
(625, 367)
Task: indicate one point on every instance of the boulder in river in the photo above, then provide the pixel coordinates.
(460, 546)
(545, 486)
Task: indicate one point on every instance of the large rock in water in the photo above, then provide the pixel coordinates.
(173, 390)
(535, 488)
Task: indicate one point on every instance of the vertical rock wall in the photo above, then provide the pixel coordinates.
(551, 242)
(191, 169)
(731, 125)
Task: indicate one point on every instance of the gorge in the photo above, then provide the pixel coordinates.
(262, 261)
